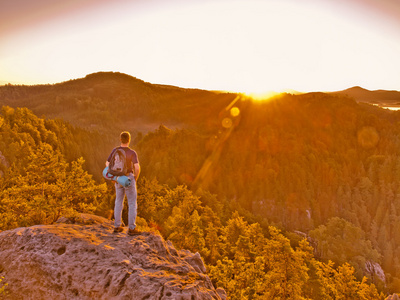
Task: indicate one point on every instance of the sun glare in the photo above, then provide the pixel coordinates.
(262, 96)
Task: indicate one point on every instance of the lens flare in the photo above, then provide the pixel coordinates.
(368, 137)
(227, 123)
(235, 111)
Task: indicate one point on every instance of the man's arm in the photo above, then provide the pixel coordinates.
(136, 171)
(107, 163)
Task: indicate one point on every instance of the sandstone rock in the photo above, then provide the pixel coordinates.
(221, 292)
(194, 260)
(374, 269)
(71, 261)
(82, 219)
(3, 160)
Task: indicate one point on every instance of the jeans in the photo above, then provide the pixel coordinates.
(131, 195)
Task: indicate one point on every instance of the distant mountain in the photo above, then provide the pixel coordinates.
(110, 101)
(380, 97)
(116, 100)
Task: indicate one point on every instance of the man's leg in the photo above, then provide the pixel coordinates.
(131, 195)
(119, 204)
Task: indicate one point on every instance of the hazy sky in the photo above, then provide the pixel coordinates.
(235, 45)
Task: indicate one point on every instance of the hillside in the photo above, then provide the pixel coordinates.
(110, 101)
(239, 249)
(101, 105)
(321, 166)
(297, 162)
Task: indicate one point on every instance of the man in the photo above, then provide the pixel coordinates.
(133, 171)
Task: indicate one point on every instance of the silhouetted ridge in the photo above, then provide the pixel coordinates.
(357, 89)
(381, 97)
(114, 100)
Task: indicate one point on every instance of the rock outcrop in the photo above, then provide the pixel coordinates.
(3, 162)
(89, 261)
(374, 269)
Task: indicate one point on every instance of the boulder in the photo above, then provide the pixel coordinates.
(84, 259)
(3, 160)
(374, 269)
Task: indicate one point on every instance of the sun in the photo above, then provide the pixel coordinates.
(261, 96)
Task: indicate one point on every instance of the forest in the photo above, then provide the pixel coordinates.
(292, 198)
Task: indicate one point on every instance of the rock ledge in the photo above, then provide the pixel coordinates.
(89, 261)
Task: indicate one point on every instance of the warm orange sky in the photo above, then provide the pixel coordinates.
(237, 45)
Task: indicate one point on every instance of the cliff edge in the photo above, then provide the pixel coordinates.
(86, 260)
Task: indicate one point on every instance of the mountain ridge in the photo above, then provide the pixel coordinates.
(380, 97)
(115, 100)
(86, 101)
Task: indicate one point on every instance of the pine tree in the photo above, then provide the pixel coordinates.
(287, 272)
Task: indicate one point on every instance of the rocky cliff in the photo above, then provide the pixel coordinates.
(3, 160)
(86, 260)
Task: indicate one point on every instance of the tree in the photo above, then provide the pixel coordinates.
(341, 242)
(213, 244)
(45, 190)
(341, 283)
(2, 287)
(287, 271)
(184, 230)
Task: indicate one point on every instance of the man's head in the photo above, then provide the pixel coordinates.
(125, 137)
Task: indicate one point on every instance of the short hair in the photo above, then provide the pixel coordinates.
(125, 137)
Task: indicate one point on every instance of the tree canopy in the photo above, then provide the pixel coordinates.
(322, 166)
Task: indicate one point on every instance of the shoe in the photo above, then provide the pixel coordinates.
(118, 229)
(133, 232)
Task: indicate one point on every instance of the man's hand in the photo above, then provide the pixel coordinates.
(136, 171)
